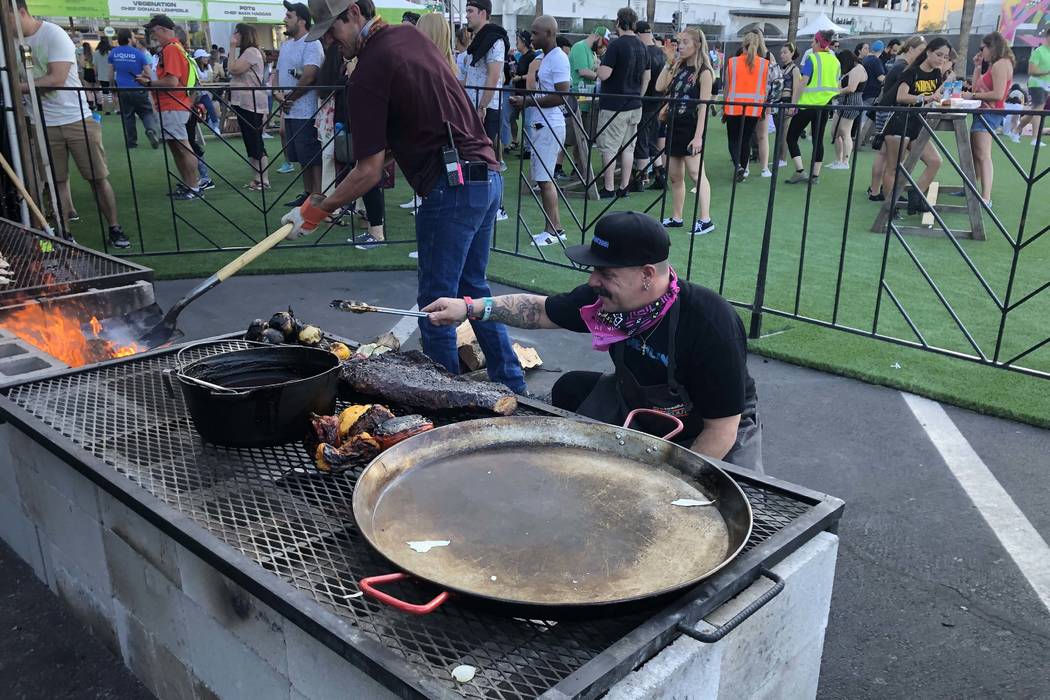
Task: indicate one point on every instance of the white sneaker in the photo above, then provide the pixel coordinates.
(1016, 138)
(747, 172)
(414, 255)
(544, 238)
(782, 163)
(413, 203)
(766, 172)
(1039, 143)
(501, 214)
(701, 228)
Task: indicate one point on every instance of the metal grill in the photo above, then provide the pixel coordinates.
(297, 523)
(44, 266)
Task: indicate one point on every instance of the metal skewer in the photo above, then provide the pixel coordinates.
(360, 307)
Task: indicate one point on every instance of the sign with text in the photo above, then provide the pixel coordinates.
(178, 10)
(246, 12)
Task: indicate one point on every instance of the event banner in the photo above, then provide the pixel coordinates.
(1022, 21)
(264, 11)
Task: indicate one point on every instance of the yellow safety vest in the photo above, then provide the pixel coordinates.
(824, 83)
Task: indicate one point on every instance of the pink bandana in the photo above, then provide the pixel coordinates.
(608, 328)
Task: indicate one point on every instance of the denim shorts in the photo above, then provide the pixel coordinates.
(301, 144)
(994, 122)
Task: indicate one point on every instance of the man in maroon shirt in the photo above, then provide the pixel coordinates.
(403, 98)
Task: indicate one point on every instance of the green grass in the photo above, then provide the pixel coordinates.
(956, 381)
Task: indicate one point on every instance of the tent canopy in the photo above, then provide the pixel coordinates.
(821, 23)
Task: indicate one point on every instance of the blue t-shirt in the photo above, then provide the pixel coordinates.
(127, 62)
(873, 65)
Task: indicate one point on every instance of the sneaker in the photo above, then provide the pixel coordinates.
(741, 173)
(206, 184)
(623, 192)
(267, 135)
(367, 241)
(606, 194)
(747, 170)
(117, 238)
(766, 172)
(414, 255)
(501, 214)
(880, 197)
(1040, 144)
(187, 194)
(179, 190)
(74, 217)
(782, 163)
(815, 179)
(154, 140)
(413, 203)
(286, 168)
(703, 227)
(671, 222)
(298, 201)
(503, 166)
(1016, 138)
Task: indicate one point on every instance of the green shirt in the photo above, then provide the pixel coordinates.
(1040, 58)
(581, 57)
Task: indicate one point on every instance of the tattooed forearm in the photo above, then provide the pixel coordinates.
(520, 311)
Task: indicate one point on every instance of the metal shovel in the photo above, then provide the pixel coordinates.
(151, 327)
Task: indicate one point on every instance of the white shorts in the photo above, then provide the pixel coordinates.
(173, 125)
(545, 142)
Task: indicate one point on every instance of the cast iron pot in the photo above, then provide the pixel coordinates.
(258, 397)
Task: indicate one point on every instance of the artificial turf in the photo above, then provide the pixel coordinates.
(726, 260)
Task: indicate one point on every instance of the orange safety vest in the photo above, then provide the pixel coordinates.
(746, 84)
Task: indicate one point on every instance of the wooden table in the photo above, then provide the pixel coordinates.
(952, 122)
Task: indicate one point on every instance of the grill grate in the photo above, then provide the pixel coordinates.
(45, 266)
(296, 523)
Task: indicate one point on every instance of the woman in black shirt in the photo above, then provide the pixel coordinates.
(687, 75)
(919, 85)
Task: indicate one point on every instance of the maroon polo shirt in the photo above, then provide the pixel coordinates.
(401, 95)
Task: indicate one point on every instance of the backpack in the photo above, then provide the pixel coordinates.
(774, 81)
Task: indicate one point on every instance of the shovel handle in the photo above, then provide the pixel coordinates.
(678, 424)
(367, 586)
(252, 253)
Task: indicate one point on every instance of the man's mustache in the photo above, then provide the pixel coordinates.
(602, 292)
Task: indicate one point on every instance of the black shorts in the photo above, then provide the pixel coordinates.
(492, 125)
(678, 137)
(896, 126)
(301, 144)
(648, 132)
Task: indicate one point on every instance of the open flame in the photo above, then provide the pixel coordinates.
(59, 333)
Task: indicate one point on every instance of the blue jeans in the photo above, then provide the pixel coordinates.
(504, 127)
(454, 230)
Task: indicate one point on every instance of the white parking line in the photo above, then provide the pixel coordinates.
(1022, 542)
(406, 327)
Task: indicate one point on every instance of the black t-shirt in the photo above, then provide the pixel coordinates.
(656, 64)
(400, 97)
(710, 351)
(888, 97)
(685, 85)
(521, 68)
(628, 59)
(919, 81)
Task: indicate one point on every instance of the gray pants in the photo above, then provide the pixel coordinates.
(136, 102)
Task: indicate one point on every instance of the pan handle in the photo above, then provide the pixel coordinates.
(678, 424)
(367, 587)
(734, 622)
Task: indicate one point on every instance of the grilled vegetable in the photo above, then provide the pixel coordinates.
(350, 415)
(340, 350)
(393, 431)
(255, 330)
(357, 451)
(310, 336)
(284, 322)
(272, 336)
(368, 421)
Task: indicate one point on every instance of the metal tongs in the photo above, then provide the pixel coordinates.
(360, 307)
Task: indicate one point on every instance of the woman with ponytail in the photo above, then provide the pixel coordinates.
(746, 76)
(819, 85)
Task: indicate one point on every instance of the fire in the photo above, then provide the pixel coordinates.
(59, 333)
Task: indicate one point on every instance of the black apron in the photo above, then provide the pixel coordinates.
(617, 394)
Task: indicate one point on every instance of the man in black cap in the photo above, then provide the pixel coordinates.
(676, 346)
(403, 99)
(297, 66)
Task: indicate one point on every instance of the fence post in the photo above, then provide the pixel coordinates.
(755, 331)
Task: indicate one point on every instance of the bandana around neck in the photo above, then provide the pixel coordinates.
(610, 327)
(371, 28)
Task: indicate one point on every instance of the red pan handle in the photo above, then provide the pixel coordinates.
(678, 424)
(367, 587)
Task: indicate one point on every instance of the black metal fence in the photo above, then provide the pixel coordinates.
(821, 253)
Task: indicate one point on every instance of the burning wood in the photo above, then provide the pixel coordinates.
(58, 333)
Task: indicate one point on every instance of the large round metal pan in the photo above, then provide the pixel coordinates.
(548, 517)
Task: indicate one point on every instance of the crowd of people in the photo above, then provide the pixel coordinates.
(642, 102)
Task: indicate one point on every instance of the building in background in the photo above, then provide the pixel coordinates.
(944, 16)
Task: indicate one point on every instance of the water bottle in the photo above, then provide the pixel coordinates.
(97, 116)
(339, 127)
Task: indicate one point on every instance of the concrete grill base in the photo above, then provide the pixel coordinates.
(187, 631)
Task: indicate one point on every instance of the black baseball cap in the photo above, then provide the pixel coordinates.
(161, 21)
(642, 27)
(623, 239)
(299, 9)
(485, 5)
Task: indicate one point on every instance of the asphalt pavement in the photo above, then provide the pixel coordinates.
(929, 599)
